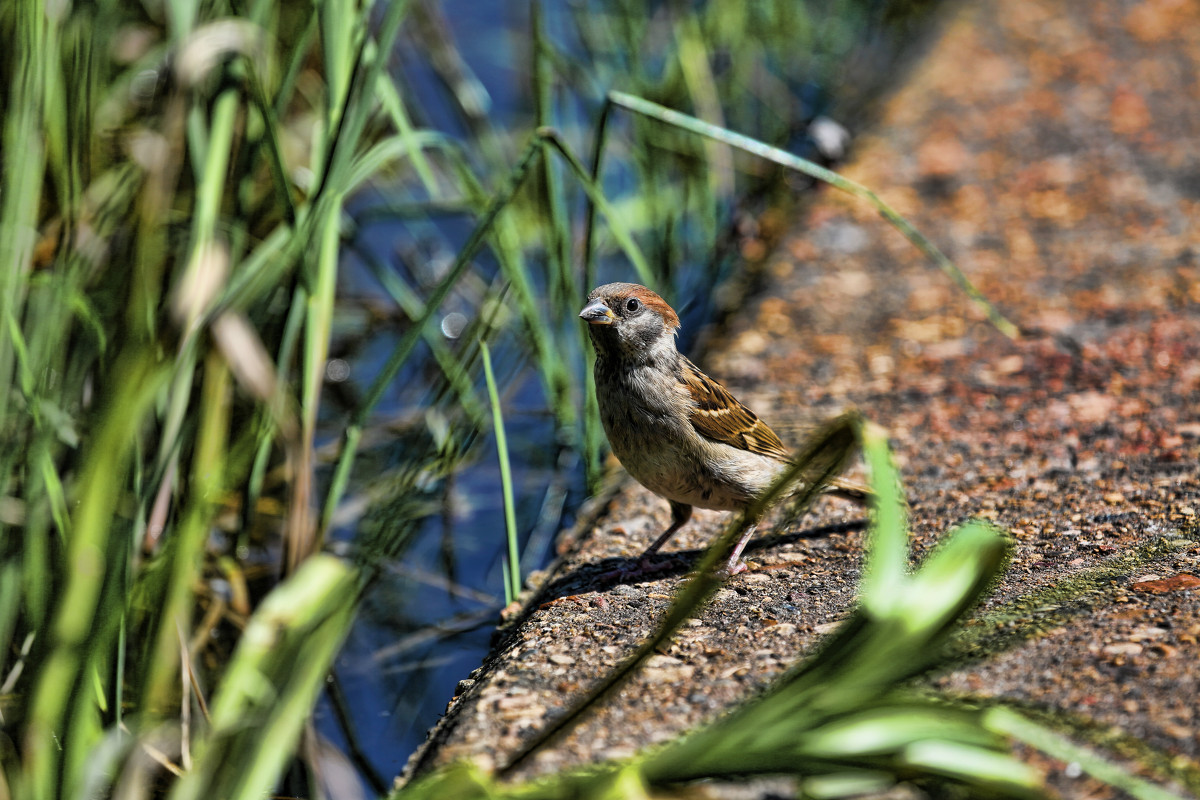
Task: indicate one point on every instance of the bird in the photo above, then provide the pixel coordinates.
(675, 430)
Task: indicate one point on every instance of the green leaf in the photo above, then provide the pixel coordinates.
(272, 682)
(977, 765)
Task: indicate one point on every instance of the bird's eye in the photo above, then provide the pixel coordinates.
(632, 304)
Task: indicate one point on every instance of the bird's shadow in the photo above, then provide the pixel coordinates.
(610, 572)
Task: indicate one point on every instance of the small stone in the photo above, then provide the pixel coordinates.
(562, 659)
(1147, 632)
(1123, 649)
(511, 610)
(618, 753)
(1155, 585)
(1176, 731)
(526, 707)
(659, 660)
(665, 669)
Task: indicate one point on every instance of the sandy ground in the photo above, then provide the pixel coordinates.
(1053, 151)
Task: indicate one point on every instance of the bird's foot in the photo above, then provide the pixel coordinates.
(731, 568)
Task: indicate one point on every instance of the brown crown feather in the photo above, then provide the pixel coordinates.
(615, 295)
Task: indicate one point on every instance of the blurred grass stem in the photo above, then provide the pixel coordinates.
(512, 582)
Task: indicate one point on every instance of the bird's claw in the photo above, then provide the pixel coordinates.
(729, 570)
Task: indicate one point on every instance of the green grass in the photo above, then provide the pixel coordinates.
(168, 297)
(512, 576)
(172, 220)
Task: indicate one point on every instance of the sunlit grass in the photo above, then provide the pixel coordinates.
(512, 577)
(170, 267)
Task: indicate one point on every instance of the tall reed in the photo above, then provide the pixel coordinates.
(170, 223)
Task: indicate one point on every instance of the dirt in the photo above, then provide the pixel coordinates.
(1053, 151)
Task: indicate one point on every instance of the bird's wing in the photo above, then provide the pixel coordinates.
(721, 417)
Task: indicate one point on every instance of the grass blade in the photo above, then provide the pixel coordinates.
(512, 583)
(24, 157)
(409, 341)
(272, 682)
(91, 543)
(786, 159)
(596, 196)
(886, 568)
(824, 456)
(1009, 723)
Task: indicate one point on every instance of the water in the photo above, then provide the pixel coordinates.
(427, 619)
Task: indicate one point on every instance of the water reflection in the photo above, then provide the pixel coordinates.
(464, 69)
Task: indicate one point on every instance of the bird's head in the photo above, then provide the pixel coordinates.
(630, 322)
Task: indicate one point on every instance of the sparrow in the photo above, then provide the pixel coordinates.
(677, 431)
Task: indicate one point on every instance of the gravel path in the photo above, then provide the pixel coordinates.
(1053, 151)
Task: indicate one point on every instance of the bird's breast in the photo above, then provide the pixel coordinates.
(650, 432)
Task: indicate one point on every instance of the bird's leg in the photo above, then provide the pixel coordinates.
(680, 514)
(733, 566)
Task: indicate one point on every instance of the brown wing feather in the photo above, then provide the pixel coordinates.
(720, 416)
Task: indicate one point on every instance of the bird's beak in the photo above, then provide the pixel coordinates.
(598, 314)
